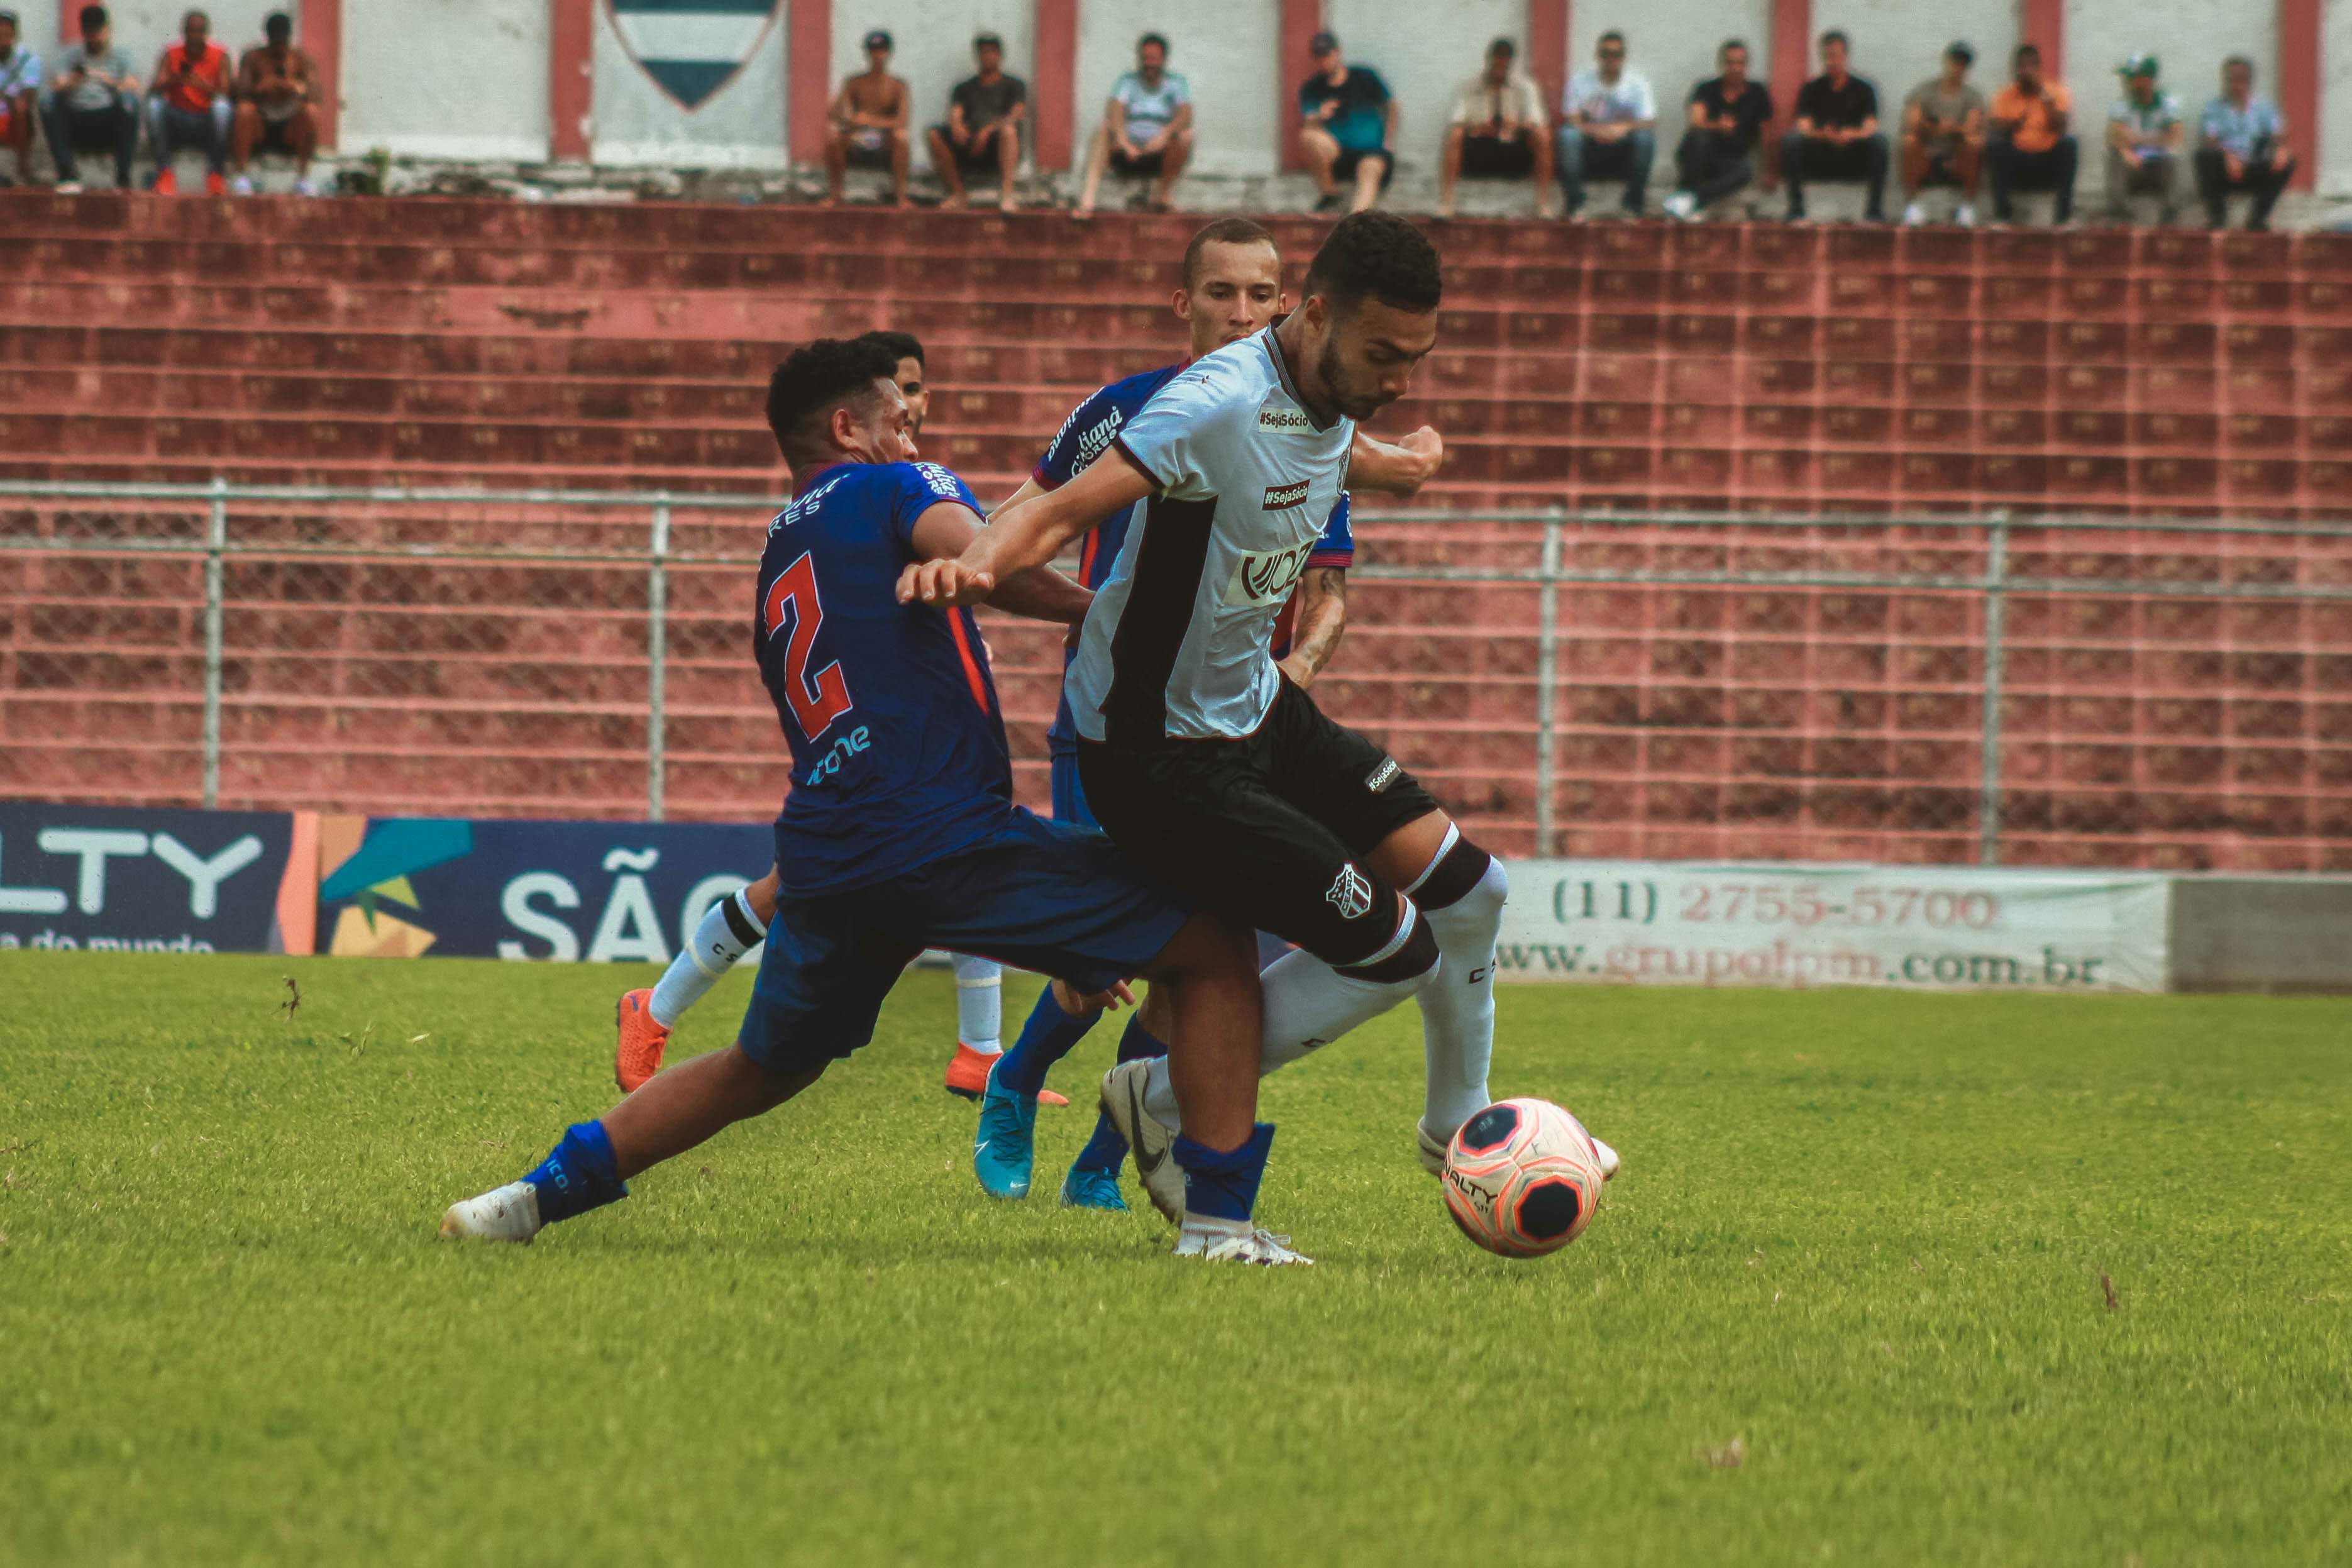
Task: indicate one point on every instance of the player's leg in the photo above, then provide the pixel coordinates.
(1177, 153)
(899, 158)
(1371, 173)
(1097, 160)
(943, 164)
(836, 164)
(1449, 169)
(1008, 166)
(821, 981)
(728, 928)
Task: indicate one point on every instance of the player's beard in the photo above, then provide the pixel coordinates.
(1331, 371)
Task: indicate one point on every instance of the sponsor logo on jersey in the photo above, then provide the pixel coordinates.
(1261, 578)
(943, 483)
(1351, 895)
(1282, 498)
(1382, 776)
(1283, 419)
(1094, 441)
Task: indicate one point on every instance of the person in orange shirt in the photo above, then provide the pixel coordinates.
(2030, 147)
(188, 105)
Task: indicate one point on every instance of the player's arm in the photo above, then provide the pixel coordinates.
(1030, 490)
(1027, 536)
(1322, 617)
(950, 529)
(1398, 470)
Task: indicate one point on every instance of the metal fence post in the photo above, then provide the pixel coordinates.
(1989, 745)
(1546, 681)
(657, 646)
(215, 543)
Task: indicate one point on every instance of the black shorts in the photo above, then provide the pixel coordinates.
(1492, 158)
(1268, 830)
(977, 155)
(1343, 167)
(1144, 166)
(866, 147)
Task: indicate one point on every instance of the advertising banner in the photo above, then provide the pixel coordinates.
(108, 879)
(1923, 927)
(603, 891)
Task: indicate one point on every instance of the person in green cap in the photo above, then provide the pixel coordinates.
(2145, 134)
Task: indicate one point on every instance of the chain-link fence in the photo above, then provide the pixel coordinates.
(2041, 690)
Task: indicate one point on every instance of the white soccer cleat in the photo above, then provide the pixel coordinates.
(1681, 206)
(1432, 1150)
(1244, 1245)
(503, 1214)
(1152, 1145)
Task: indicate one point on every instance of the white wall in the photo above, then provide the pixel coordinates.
(2189, 39)
(933, 50)
(2334, 132)
(1424, 54)
(446, 79)
(1898, 44)
(740, 126)
(1229, 53)
(1673, 43)
(145, 27)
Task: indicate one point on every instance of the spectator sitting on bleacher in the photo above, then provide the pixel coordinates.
(1836, 135)
(2029, 148)
(982, 131)
(2243, 148)
(1943, 137)
(1349, 119)
(868, 123)
(276, 87)
(20, 81)
(1608, 128)
(1729, 115)
(2145, 134)
(92, 100)
(190, 104)
(1147, 129)
(1498, 130)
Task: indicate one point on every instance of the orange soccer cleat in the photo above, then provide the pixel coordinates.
(968, 1075)
(639, 1055)
(215, 186)
(167, 184)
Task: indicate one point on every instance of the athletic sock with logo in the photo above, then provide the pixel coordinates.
(979, 1003)
(729, 929)
(1106, 1149)
(1462, 894)
(1050, 1035)
(579, 1173)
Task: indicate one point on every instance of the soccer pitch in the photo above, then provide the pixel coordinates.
(1888, 1278)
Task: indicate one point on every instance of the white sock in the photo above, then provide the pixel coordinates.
(728, 931)
(979, 1003)
(1457, 1013)
(1308, 1004)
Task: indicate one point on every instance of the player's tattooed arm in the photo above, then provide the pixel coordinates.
(1398, 470)
(1040, 593)
(1322, 617)
(1025, 536)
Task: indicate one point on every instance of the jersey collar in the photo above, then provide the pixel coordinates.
(1282, 371)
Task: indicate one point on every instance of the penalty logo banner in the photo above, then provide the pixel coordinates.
(691, 48)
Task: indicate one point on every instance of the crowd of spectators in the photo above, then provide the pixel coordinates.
(88, 98)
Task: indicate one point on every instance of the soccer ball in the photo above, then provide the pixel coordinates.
(1522, 1177)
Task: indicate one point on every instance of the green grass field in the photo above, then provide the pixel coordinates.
(1845, 1304)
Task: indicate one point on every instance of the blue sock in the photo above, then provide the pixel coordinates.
(578, 1174)
(1225, 1186)
(1048, 1036)
(1106, 1149)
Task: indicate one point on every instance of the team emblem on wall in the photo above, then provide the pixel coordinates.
(691, 48)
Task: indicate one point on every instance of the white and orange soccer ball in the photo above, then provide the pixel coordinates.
(1522, 1178)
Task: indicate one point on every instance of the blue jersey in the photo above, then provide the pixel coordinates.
(897, 743)
(1087, 435)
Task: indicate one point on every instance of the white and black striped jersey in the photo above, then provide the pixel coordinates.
(1177, 644)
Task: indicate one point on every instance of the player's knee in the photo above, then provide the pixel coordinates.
(1411, 964)
(1465, 883)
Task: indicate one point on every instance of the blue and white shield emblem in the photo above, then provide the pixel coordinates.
(692, 48)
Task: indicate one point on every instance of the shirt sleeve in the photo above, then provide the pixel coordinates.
(1337, 548)
(918, 487)
(2120, 113)
(1180, 90)
(1178, 433)
(1379, 85)
(1645, 100)
(1083, 436)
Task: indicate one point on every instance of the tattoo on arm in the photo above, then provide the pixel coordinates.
(1322, 617)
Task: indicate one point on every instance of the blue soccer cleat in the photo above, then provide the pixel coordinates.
(1004, 1147)
(1092, 1190)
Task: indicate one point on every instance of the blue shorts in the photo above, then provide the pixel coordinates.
(1069, 794)
(1035, 895)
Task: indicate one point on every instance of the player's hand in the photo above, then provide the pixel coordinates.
(947, 583)
(1110, 1001)
(1426, 448)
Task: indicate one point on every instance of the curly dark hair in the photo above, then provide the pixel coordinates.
(1377, 255)
(902, 345)
(817, 378)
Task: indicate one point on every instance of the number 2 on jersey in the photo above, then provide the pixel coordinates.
(815, 703)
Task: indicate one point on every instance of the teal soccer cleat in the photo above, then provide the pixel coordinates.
(1091, 1190)
(1004, 1146)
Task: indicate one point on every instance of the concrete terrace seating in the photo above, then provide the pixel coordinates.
(1631, 368)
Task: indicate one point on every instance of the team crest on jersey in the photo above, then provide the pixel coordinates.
(1283, 419)
(1267, 578)
(1351, 895)
(1282, 498)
